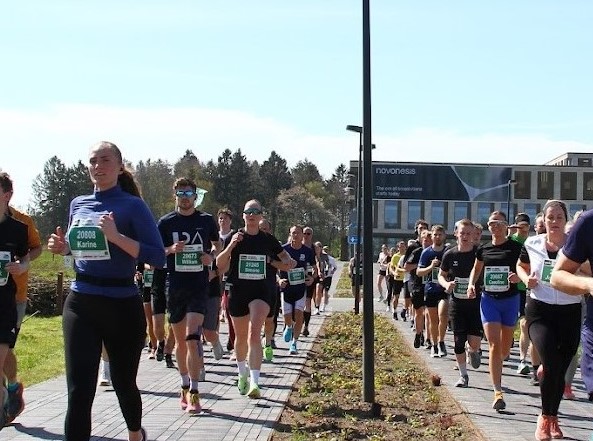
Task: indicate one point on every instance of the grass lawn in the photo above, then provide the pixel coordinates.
(40, 349)
(48, 265)
(326, 403)
(344, 286)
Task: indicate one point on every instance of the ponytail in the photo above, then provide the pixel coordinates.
(128, 184)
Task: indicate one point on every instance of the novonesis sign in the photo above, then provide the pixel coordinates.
(440, 182)
(395, 170)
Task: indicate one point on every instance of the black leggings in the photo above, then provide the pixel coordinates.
(389, 281)
(89, 321)
(555, 331)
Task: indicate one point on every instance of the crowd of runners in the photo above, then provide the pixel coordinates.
(535, 282)
(163, 287)
(177, 279)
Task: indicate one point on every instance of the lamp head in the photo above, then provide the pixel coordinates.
(352, 128)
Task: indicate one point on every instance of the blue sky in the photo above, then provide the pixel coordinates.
(464, 81)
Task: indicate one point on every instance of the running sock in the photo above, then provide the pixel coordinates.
(498, 388)
(193, 385)
(534, 371)
(307, 315)
(242, 367)
(462, 369)
(254, 376)
(184, 381)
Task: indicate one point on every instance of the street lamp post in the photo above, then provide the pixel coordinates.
(358, 130)
(509, 183)
(368, 318)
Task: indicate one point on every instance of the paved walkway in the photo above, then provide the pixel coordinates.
(230, 416)
(227, 415)
(518, 421)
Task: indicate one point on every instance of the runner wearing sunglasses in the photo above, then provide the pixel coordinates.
(191, 240)
(245, 259)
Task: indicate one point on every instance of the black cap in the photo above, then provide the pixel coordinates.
(521, 219)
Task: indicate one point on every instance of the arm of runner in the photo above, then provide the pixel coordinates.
(473, 278)
(527, 277)
(564, 278)
(223, 260)
(18, 267)
(448, 285)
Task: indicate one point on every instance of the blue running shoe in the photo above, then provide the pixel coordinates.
(287, 334)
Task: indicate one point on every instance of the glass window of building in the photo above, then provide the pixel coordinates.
(392, 215)
(414, 213)
(531, 210)
(484, 210)
(438, 213)
(511, 212)
(375, 213)
(522, 188)
(588, 185)
(545, 185)
(568, 186)
(573, 208)
(460, 211)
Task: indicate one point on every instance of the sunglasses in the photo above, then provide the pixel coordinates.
(496, 223)
(185, 193)
(308, 233)
(253, 211)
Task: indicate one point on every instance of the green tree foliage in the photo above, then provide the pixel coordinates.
(337, 201)
(298, 195)
(156, 183)
(297, 206)
(231, 178)
(275, 176)
(54, 189)
(189, 166)
(305, 171)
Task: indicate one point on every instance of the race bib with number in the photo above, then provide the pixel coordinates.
(252, 267)
(461, 284)
(148, 275)
(296, 276)
(433, 276)
(496, 278)
(546, 274)
(4, 259)
(189, 260)
(87, 242)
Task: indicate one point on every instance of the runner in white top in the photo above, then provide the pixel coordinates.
(553, 317)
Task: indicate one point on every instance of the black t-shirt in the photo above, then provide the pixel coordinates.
(13, 239)
(409, 250)
(417, 282)
(458, 264)
(198, 228)
(260, 244)
(493, 256)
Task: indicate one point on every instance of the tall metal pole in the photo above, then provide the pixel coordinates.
(368, 328)
(509, 183)
(358, 227)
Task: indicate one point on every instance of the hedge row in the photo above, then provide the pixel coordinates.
(43, 297)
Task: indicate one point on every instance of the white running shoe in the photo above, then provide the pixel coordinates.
(104, 374)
